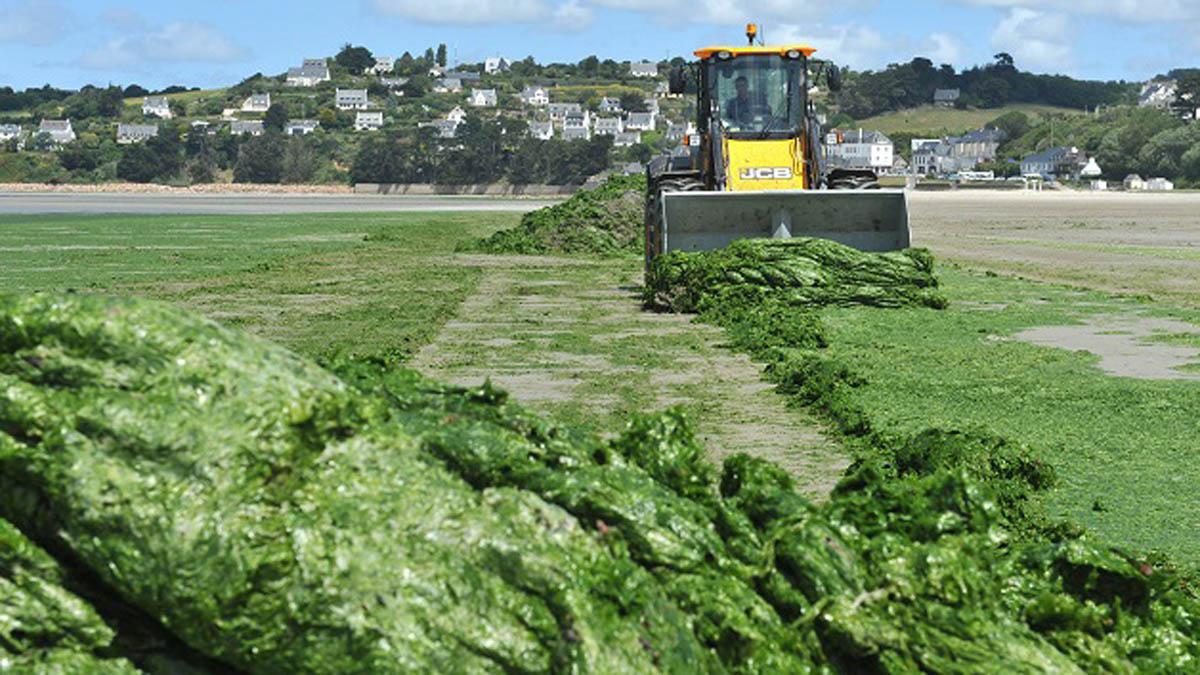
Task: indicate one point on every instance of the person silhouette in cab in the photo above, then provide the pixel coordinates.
(743, 107)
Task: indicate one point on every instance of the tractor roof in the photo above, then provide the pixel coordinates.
(744, 50)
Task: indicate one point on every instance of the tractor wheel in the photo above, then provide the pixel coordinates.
(654, 222)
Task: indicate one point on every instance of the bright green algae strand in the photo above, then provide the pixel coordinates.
(43, 626)
(279, 516)
(605, 221)
(802, 272)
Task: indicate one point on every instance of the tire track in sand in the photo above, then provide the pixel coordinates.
(567, 338)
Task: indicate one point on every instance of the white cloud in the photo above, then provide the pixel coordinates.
(849, 44)
(33, 22)
(173, 43)
(1127, 10)
(943, 48)
(466, 11)
(572, 16)
(1036, 39)
(775, 14)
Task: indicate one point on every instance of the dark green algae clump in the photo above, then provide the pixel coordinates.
(278, 516)
(606, 221)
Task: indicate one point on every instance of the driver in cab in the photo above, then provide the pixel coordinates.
(743, 107)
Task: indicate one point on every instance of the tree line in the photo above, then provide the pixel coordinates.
(912, 84)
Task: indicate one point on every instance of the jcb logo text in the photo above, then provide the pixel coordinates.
(766, 173)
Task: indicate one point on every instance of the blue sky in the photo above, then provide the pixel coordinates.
(218, 42)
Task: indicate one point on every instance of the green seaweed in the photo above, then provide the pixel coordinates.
(605, 221)
(802, 272)
(277, 516)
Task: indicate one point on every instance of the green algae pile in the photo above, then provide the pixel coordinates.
(605, 221)
(803, 272)
(275, 516)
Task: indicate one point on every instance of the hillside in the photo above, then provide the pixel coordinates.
(949, 121)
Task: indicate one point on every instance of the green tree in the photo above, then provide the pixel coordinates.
(157, 159)
(299, 161)
(260, 160)
(1014, 124)
(1187, 92)
(354, 59)
(417, 86)
(76, 157)
(276, 117)
(441, 55)
(633, 102)
(405, 65)
(589, 66)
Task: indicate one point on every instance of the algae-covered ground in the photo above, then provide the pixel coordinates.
(1124, 446)
(276, 516)
(1057, 422)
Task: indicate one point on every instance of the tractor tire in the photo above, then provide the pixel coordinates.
(654, 222)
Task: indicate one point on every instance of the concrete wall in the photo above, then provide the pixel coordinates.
(487, 189)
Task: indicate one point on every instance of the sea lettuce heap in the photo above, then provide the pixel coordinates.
(274, 516)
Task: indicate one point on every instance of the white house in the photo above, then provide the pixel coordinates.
(610, 104)
(542, 131)
(482, 98)
(9, 132)
(677, 130)
(946, 98)
(609, 126)
(393, 83)
(135, 133)
(383, 65)
(457, 115)
(1134, 183)
(157, 106)
(368, 121)
(463, 75)
(60, 130)
(445, 128)
(536, 96)
(640, 121)
(240, 127)
(257, 103)
(1052, 163)
(1159, 185)
(859, 149)
(495, 64)
(1092, 170)
(577, 126)
(310, 73)
(643, 69)
(300, 127)
(448, 85)
(351, 99)
(627, 138)
(1158, 94)
(559, 111)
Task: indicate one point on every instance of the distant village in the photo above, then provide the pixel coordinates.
(545, 119)
(958, 158)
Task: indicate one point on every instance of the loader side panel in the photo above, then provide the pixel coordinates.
(869, 220)
(764, 164)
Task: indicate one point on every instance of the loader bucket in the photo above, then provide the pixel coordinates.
(869, 220)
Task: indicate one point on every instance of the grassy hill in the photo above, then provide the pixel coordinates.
(184, 96)
(942, 121)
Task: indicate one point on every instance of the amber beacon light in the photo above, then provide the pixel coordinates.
(751, 32)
